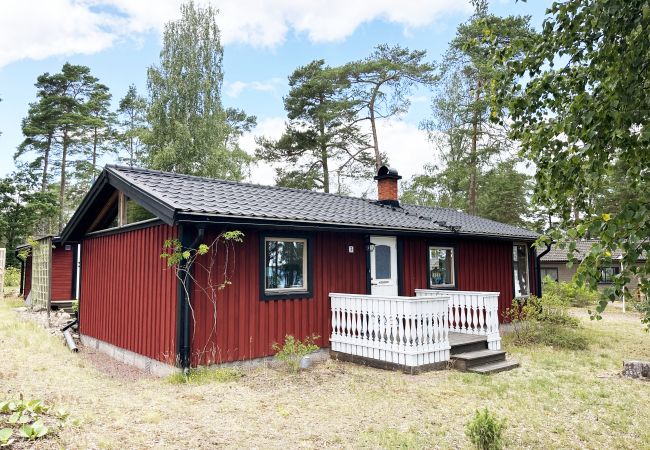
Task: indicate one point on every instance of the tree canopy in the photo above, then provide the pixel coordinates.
(579, 101)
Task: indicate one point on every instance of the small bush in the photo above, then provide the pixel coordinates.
(485, 431)
(293, 350)
(12, 277)
(571, 293)
(545, 321)
(204, 375)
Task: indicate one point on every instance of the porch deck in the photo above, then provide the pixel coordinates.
(413, 333)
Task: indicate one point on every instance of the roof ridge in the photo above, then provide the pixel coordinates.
(239, 183)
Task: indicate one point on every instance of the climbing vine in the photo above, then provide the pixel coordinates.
(209, 268)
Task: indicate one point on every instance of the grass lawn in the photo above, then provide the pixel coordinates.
(557, 399)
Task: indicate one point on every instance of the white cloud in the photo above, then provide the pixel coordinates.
(407, 147)
(37, 29)
(235, 88)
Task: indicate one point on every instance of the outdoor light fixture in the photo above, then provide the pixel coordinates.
(370, 247)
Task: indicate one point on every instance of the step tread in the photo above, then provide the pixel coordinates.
(477, 354)
(494, 367)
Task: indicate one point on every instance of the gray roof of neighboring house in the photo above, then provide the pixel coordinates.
(190, 196)
(582, 247)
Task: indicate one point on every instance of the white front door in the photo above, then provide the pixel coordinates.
(383, 265)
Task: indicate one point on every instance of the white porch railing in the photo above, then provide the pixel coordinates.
(406, 331)
(471, 312)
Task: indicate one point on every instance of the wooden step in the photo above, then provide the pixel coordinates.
(495, 367)
(465, 361)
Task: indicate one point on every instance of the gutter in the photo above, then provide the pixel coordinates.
(538, 271)
(184, 346)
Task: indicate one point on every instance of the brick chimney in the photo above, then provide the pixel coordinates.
(387, 186)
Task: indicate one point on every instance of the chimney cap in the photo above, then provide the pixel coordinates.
(386, 172)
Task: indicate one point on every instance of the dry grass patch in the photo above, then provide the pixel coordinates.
(558, 399)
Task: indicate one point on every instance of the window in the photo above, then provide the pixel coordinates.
(550, 272)
(520, 270)
(607, 274)
(441, 267)
(285, 270)
(382, 262)
(135, 213)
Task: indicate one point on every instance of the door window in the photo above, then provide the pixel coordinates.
(382, 262)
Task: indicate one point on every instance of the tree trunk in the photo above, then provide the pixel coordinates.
(373, 125)
(473, 157)
(64, 155)
(324, 156)
(46, 160)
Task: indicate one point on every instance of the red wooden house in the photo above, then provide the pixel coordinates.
(63, 276)
(353, 271)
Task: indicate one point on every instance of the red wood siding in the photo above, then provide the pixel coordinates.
(481, 266)
(128, 295)
(62, 262)
(28, 277)
(246, 326)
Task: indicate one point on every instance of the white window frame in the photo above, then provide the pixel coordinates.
(453, 267)
(514, 281)
(305, 286)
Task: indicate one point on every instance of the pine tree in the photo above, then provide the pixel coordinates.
(322, 135)
(132, 122)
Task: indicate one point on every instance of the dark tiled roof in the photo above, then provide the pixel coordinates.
(470, 224)
(582, 247)
(206, 196)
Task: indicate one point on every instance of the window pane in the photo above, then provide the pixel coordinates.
(520, 270)
(136, 213)
(441, 266)
(285, 264)
(382, 262)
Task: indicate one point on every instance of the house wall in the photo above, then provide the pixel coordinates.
(481, 265)
(128, 295)
(62, 268)
(566, 274)
(246, 326)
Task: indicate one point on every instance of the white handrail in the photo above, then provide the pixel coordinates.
(406, 331)
(471, 312)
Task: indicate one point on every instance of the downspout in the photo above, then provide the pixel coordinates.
(184, 299)
(538, 270)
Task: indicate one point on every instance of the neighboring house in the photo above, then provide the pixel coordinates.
(64, 273)
(346, 269)
(554, 265)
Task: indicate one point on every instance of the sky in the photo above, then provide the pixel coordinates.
(264, 41)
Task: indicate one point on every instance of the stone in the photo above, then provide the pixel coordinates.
(636, 369)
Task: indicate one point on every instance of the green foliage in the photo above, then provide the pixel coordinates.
(477, 169)
(578, 296)
(34, 431)
(545, 321)
(190, 132)
(205, 375)
(322, 136)
(293, 350)
(485, 430)
(12, 277)
(5, 437)
(583, 122)
(381, 84)
(23, 210)
(29, 418)
(75, 306)
(174, 252)
(132, 124)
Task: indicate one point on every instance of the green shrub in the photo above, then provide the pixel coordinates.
(204, 375)
(12, 277)
(485, 431)
(545, 321)
(574, 295)
(293, 350)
